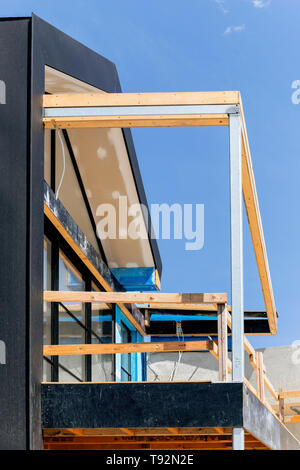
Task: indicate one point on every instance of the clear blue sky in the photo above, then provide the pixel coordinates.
(172, 45)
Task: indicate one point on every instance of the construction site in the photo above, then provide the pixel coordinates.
(88, 331)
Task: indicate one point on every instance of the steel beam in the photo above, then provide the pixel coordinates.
(140, 110)
(237, 290)
(238, 438)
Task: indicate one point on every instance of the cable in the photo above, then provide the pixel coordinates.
(64, 161)
(178, 330)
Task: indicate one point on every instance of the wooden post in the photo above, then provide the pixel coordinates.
(222, 342)
(260, 375)
(281, 406)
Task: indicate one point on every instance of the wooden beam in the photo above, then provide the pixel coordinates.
(292, 419)
(122, 348)
(54, 220)
(256, 229)
(289, 394)
(222, 343)
(132, 297)
(260, 375)
(174, 431)
(170, 446)
(127, 431)
(220, 430)
(201, 433)
(281, 407)
(140, 99)
(186, 120)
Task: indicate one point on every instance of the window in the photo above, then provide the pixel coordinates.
(73, 322)
(125, 358)
(102, 364)
(71, 319)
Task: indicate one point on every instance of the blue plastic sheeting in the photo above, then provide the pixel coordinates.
(157, 317)
(136, 279)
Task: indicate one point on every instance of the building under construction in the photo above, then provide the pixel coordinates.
(81, 321)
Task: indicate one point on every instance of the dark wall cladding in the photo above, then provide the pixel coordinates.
(185, 404)
(14, 189)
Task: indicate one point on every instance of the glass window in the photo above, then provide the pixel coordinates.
(47, 306)
(102, 321)
(47, 160)
(125, 358)
(71, 320)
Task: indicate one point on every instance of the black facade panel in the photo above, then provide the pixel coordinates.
(14, 236)
(130, 405)
(204, 327)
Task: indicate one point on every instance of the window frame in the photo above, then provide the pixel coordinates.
(59, 243)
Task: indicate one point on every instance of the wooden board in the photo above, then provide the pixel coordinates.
(141, 99)
(133, 297)
(256, 229)
(81, 349)
(290, 394)
(187, 120)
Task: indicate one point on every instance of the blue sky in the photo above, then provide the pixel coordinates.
(246, 45)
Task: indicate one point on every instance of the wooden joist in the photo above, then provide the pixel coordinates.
(260, 376)
(223, 343)
(89, 349)
(133, 297)
(289, 394)
(292, 419)
(141, 99)
(88, 122)
(206, 433)
(255, 226)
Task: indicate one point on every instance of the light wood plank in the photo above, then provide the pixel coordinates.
(222, 343)
(186, 120)
(141, 99)
(82, 349)
(256, 229)
(289, 394)
(133, 297)
(260, 375)
(127, 431)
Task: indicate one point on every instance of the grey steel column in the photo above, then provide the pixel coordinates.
(237, 290)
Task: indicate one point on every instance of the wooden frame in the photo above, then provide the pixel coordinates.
(168, 120)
